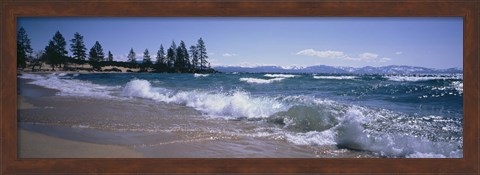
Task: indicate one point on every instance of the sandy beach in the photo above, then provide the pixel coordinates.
(35, 145)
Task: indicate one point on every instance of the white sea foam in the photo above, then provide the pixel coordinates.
(235, 104)
(200, 75)
(280, 75)
(70, 87)
(334, 77)
(351, 133)
(458, 85)
(425, 155)
(312, 138)
(261, 81)
(423, 78)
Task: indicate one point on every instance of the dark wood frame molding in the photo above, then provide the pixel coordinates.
(10, 10)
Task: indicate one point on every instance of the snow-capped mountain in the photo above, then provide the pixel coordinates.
(392, 69)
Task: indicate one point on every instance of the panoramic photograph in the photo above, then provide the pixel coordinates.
(238, 87)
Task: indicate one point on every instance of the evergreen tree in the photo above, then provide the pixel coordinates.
(50, 56)
(170, 57)
(60, 48)
(147, 61)
(179, 61)
(96, 53)
(185, 57)
(194, 56)
(131, 56)
(161, 56)
(110, 57)
(202, 54)
(172, 54)
(78, 47)
(55, 53)
(24, 49)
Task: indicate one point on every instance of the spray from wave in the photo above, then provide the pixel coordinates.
(70, 87)
(280, 75)
(260, 81)
(335, 77)
(235, 104)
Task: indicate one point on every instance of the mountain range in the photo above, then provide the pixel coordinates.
(392, 69)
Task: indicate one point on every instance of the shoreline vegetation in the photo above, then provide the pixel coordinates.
(55, 58)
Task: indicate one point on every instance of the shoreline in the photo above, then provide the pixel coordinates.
(38, 145)
(168, 130)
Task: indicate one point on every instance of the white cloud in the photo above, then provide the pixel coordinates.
(366, 56)
(398, 53)
(322, 54)
(229, 54)
(384, 59)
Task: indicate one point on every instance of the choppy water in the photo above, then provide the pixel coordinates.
(387, 115)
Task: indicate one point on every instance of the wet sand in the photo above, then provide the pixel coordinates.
(35, 145)
(136, 126)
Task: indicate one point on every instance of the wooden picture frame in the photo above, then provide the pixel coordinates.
(11, 10)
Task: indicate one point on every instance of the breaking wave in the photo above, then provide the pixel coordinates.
(260, 81)
(280, 75)
(423, 78)
(234, 104)
(302, 119)
(200, 75)
(334, 77)
(70, 87)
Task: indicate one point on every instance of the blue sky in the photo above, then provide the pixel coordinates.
(335, 41)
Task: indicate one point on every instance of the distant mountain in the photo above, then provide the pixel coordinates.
(392, 69)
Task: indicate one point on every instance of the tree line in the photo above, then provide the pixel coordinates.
(174, 59)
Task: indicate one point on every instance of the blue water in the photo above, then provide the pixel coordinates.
(389, 115)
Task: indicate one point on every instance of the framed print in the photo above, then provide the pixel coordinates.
(239, 87)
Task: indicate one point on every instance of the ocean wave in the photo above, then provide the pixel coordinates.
(302, 119)
(457, 85)
(423, 78)
(260, 81)
(70, 87)
(236, 104)
(334, 77)
(355, 131)
(382, 132)
(313, 138)
(200, 75)
(280, 75)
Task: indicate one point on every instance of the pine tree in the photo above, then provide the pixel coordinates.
(96, 53)
(194, 56)
(60, 49)
(24, 49)
(78, 47)
(185, 57)
(179, 61)
(161, 56)
(170, 57)
(147, 61)
(172, 54)
(110, 57)
(131, 56)
(202, 54)
(55, 53)
(50, 55)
